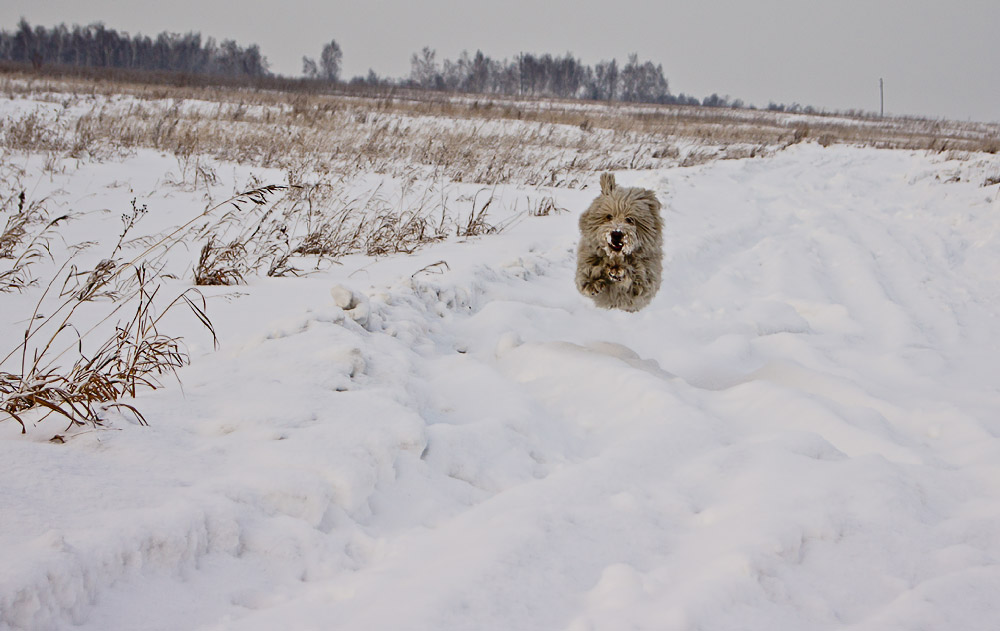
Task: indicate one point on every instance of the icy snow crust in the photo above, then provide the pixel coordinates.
(800, 432)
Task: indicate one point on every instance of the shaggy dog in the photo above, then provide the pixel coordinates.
(618, 261)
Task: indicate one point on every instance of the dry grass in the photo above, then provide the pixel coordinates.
(250, 237)
(52, 372)
(26, 235)
(476, 225)
(220, 264)
(544, 207)
(132, 357)
(486, 140)
(337, 224)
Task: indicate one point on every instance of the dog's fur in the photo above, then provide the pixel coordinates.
(619, 259)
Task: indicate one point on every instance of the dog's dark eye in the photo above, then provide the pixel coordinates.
(608, 218)
(630, 221)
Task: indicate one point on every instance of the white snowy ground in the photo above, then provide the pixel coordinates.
(801, 432)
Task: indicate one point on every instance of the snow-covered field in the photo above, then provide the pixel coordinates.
(801, 432)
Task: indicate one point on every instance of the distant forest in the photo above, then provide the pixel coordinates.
(543, 75)
(102, 47)
(97, 46)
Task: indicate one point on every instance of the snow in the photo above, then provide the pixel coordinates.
(800, 432)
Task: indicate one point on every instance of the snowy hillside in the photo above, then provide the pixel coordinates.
(801, 432)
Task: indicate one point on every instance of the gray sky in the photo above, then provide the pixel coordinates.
(938, 58)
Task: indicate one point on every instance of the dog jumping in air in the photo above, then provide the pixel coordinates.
(619, 258)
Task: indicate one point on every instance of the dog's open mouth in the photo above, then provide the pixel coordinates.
(616, 240)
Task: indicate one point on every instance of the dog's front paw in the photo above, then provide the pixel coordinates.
(616, 273)
(594, 287)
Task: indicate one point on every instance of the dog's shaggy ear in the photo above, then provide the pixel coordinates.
(607, 183)
(649, 197)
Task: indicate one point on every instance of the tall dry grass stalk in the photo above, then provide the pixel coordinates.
(132, 357)
(25, 238)
(52, 371)
(337, 223)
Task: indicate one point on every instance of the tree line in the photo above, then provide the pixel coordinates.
(98, 46)
(528, 74)
(541, 75)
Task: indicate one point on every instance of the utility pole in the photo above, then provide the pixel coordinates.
(881, 99)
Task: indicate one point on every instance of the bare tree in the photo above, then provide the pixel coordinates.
(309, 68)
(643, 82)
(424, 69)
(329, 61)
(606, 80)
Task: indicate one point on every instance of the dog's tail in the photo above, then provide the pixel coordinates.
(607, 183)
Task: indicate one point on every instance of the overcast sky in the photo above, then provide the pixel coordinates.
(938, 58)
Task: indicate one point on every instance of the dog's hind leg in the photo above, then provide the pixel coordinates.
(644, 286)
(640, 279)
